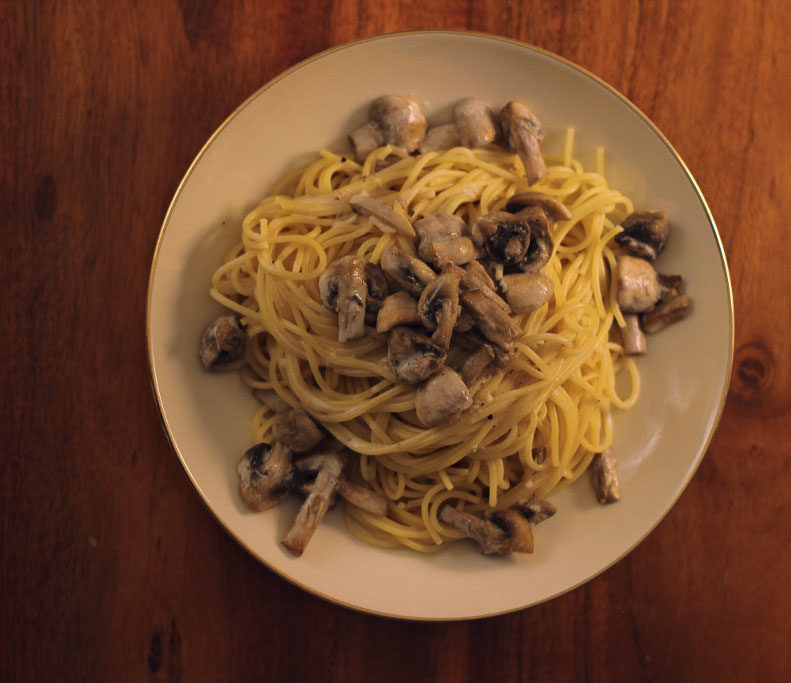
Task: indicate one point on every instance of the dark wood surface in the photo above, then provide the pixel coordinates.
(113, 570)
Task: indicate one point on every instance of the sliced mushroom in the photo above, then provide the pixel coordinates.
(344, 289)
(412, 356)
(378, 289)
(503, 354)
(475, 364)
(477, 277)
(632, 337)
(222, 344)
(476, 122)
(604, 477)
(554, 210)
(666, 313)
(317, 503)
(265, 475)
(644, 234)
(495, 324)
(516, 528)
(670, 286)
(440, 138)
(394, 120)
(527, 292)
(398, 309)
(523, 132)
(382, 215)
(537, 511)
(442, 240)
(439, 307)
(638, 285)
(441, 396)
(307, 470)
(465, 322)
(406, 271)
(293, 427)
(541, 246)
(518, 240)
(490, 537)
(474, 277)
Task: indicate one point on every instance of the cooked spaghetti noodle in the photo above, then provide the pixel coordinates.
(557, 392)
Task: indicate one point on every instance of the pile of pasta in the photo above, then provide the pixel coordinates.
(554, 397)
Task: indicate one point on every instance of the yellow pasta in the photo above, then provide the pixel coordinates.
(558, 391)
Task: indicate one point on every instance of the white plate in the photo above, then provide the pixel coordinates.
(315, 104)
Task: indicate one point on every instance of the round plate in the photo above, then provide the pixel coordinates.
(315, 104)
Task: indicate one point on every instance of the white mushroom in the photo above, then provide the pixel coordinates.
(495, 324)
(222, 344)
(523, 132)
(554, 210)
(293, 427)
(344, 289)
(475, 126)
(441, 396)
(440, 138)
(406, 271)
(475, 364)
(265, 475)
(536, 511)
(439, 307)
(443, 240)
(644, 234)
(638, 286)
(383, 216)
(394, 120)
(398, 309)
(412, 356)
(604, 477)
(527, 292)
(634, 342)
(505, 531)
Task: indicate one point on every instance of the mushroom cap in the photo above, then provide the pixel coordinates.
(438, 307)
(516, 528)
(644, 234)
(515, 116)
(638, 284)
(554, 210)
(265, 475)
(412, 356)
(439, 138)
(541, 245)
(476, 122)
(505, 236)
(222, 344)
(398, 309)
(406, 271)
(343, 288)
(527, 292)
(400, 120)
(378, 288)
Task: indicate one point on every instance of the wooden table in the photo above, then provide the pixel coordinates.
(113, 570)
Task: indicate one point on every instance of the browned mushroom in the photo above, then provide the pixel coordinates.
(317, 503)
(518, 240)
(441, 396)
(666, 313)
(490, 538)
(670, 286)
(632, 336)
(516, 528)
(412, 356)
(554, 210)
(394, 120)
(495, 324)
(293, 427)
(265, 475)
(527, 292)
(398, 309)
(222, 344)
(604, 477)
(382, 215)
(644, 234)
(406, 271)
(475, 364)
(474, 277)
(344, 289)
(522, 131)
(378, 289)
(438, 307)
(638, 286)
(536, 511)
(442, 240)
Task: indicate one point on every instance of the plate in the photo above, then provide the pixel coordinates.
(316, 104)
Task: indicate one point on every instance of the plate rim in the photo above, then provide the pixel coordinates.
(713, 425)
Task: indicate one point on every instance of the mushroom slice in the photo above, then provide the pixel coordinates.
(505, 237)
(439, 138)
(666, 313)
(317, 503)
(265, 475)
(412, 356)
(442, 240)
(344, 289)
(474, 277)
(604, 477)
(476, 122)
(477, 277)
(441, 396)
(527, 292)
(670, 286)
(382, 215)
(398, 309)
(634, 343)
(394, 120)
(406, 271)
(438, 307)
(644, 234)
(475, 364)
(490, 537)
(378, 289)
(537, 511)
(495, 324)
(222, 344)
(554, 210)
(503, 354)
(523, 132)
(541, 246)
(638, 285)
(307, 470)
(293, 427)
(465, 322)
(517, 529)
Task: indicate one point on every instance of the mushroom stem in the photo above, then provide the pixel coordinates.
(634, 343)
(604, 477)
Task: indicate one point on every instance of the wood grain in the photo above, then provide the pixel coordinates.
(112, 569)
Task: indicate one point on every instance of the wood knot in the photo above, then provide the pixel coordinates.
(753, 370)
